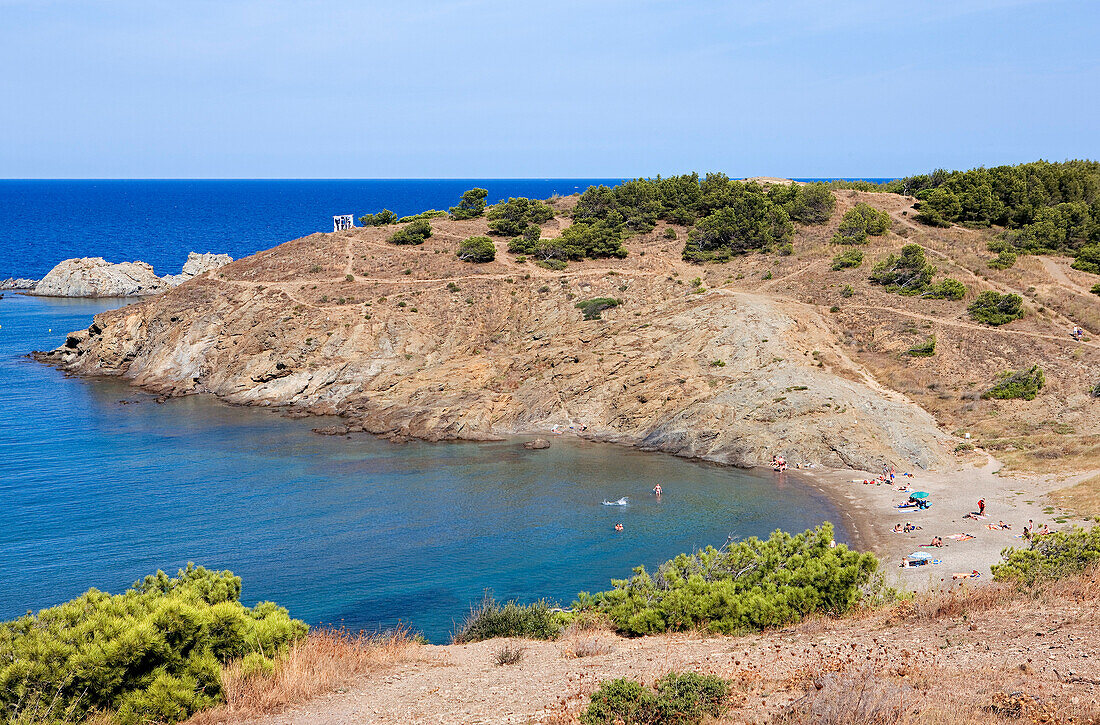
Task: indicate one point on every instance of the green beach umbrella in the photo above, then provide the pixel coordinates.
(919, 494)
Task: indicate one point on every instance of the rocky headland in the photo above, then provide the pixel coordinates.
(762, 356)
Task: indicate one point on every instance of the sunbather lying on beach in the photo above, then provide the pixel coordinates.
(974, 515)
(898, 529)
(963, 575)
(936, 541)
(910, 527)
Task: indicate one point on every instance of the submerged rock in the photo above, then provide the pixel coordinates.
(537, 444)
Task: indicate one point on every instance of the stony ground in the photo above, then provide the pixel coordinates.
(939, 659)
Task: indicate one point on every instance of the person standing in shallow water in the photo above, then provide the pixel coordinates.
(657, 490)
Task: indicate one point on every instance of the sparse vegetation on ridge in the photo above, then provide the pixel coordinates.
(594, 307)
(471, 206)
(1024, 384)
(859, 222)
(380, 219)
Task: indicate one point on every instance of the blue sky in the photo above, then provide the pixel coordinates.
(487, 88)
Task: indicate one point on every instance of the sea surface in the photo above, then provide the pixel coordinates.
(100, 485)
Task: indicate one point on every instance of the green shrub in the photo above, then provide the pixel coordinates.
(1024, 384)
(925, 349)
(413, 233)
(471, 206)
(1049, 557)
(151, 654)
(1004, 260)
(848, 258)
(746, 586)
(994, 308)
(859, 222)
(490, 619)
(594, 307)
(680, 699)
(1096, 390)
(380, 219)
(1095, 289)
(848, 291)
(424, 215)
(751, 225)
(477, 249)
(907, 274)
(510, 218)
(804, 203)
(948, 289)
(670, 233)
(580, 240)
(1088, 259)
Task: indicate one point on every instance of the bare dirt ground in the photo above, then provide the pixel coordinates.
(943, 658)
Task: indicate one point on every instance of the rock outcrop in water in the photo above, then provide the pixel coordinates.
(17, 283)
(96, 277)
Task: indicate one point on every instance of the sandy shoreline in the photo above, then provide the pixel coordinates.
(870, 512)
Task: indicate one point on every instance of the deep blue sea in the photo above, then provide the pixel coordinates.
(101, 485)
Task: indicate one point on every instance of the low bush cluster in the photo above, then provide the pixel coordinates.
(859, 222)
(511, 218)
(746, 586)
(1004, 259)
(948, 289)
(994, 308)
(413, 233)
(380, 219)
(925, 349)
(471, 206)
(1095, 289)
(594, 307)
(907, 274)
(430, 214)
(491, 619)
(1049, 557)
(153, 654)
(677, 699)
(1023, 384)
(848, 258)
(477, 249)
(580, 240)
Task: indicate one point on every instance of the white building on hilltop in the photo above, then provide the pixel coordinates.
(342, 222)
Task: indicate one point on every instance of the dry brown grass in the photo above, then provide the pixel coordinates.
(1084, 498)
(326, 660)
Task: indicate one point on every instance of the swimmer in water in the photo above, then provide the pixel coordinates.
(618, 527)
(657, 490)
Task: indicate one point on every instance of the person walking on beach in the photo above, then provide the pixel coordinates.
(981, 507)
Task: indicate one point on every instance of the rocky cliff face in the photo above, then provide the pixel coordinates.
(96, 277)
(412, 342)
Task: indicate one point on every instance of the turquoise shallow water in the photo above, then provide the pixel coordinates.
(358, 531)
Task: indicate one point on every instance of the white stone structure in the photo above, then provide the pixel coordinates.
(343, 221)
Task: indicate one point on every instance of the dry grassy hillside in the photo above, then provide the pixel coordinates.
(764, 355)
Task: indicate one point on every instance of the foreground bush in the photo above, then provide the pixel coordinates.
(907, 274)
(477, 249)
(492, 619)
(380, 219)
(859, 222)
(679, 699)
(594, 307)
(1053, 556)
(746, 586)
(152, 654)
(848, 258)
(510, 218)
(947, 289)
(1024, 384)
(414, 233)
(994, 308)
(471, 206)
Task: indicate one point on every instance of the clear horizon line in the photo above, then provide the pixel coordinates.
(855, 177)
